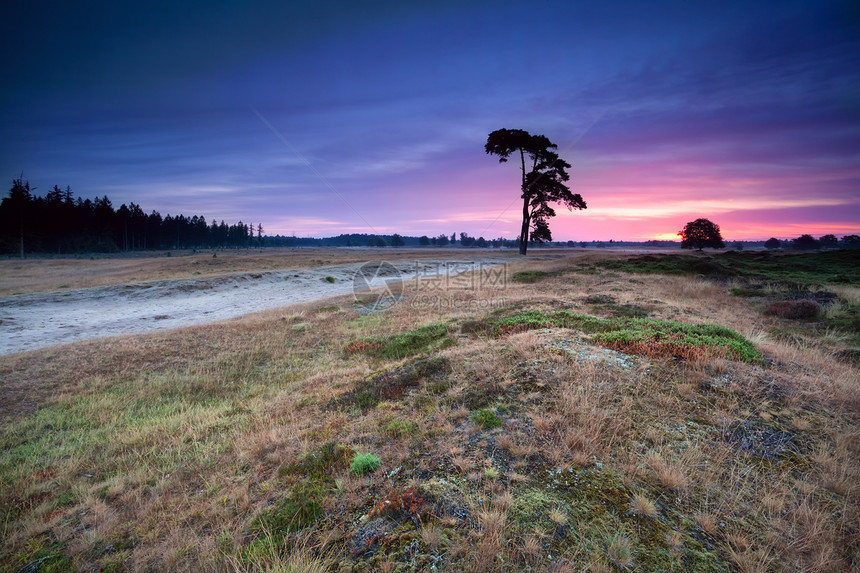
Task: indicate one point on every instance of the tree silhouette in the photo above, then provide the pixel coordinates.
(829, 242)
(772, 243)
(19, 204)
(851, 242)
(542, 183)
(701, 233)
(805, 243)
(60, 223)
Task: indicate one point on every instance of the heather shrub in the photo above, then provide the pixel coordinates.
(794, 308)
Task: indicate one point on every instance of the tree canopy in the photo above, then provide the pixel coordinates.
(700, 234)
(543, 180)
(829, 242)
(805, 243)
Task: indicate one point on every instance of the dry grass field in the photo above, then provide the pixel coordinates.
(576, 416)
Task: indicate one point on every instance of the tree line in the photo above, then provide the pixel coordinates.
(703, 233)
(58, 222)
(810, 243)
(61, 223)
(394, 240)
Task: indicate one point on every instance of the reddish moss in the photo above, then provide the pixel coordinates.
(409, 502)
(666, 350)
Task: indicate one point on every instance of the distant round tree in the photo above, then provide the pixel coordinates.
(701, 233)
(805, 243)
(850, 242)
(829, 242)
(423, 240)
(397, 240)
(772, 243)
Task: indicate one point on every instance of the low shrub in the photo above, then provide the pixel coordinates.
(794, 309)
(409, 502)
(656, 338)
(396, 428)
(397, 346)
(392, 383)
(746, 292)
(833, 267)
(529, 277)
(292, 513)
(320, 463)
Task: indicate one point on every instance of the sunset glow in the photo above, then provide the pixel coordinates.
(321, 120)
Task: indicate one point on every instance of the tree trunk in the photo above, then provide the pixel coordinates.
(524, 231)
(22, 239)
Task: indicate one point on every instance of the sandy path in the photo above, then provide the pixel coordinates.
(29, 322)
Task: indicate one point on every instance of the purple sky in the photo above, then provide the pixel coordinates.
(745, 113)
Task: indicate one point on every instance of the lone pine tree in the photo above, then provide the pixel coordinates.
(543, 180)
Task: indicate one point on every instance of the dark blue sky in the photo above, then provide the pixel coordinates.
(746, 113)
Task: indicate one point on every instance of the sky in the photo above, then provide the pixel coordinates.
(323, 118)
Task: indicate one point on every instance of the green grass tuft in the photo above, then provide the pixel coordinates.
(363, 464)
(486, 418)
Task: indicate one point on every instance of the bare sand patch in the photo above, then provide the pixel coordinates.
(40, 320)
